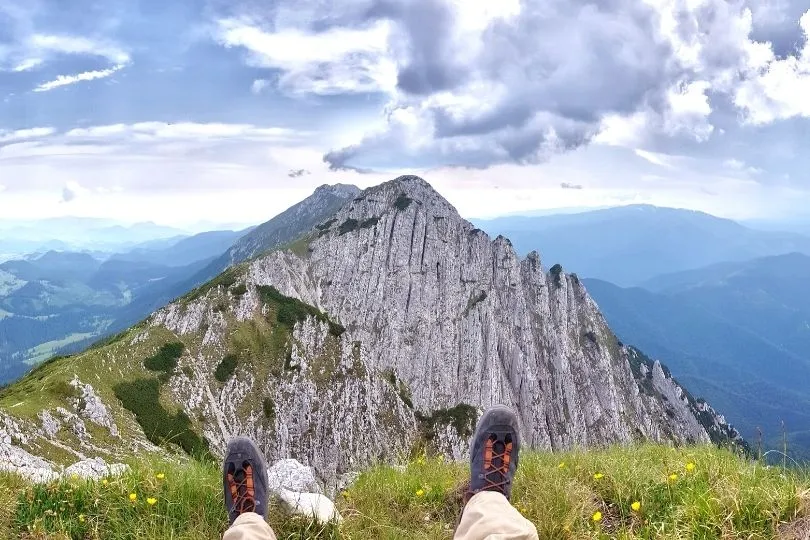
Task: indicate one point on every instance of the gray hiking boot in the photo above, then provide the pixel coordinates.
(244, 477)
(494, 452)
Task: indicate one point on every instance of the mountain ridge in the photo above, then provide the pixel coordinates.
(632, 244)
(394, 319)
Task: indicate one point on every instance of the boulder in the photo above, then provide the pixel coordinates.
(94, 469)
(310, 505)
(292, 475)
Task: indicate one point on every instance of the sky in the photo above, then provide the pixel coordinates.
(229, 111)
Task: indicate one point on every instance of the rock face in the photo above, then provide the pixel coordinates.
(385, 329)
(458, 318)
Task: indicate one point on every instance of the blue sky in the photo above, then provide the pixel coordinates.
(200, 110)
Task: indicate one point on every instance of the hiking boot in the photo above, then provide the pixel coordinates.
(494, 452)
(244, 477)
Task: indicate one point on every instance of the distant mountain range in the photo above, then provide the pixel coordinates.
(60, 302)
(631, 244)
(735, 333)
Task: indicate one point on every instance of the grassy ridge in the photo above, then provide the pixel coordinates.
(567, 495)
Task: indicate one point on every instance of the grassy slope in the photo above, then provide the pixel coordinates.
(723, 497)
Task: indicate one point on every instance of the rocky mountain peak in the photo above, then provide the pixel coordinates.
(338, 190)
(394, 319)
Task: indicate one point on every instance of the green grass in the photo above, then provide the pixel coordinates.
(722, 497)
(44, 351)
(142, 398)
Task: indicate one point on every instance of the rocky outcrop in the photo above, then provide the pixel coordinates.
(93, 469)
(460, 318)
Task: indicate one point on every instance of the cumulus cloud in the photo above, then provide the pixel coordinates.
(554, 75)
(297, 173)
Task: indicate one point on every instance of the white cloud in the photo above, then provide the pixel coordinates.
(23, 134)
(158, 131)
(656, 158)
(78, 45)
(27, 64)
(65, 80)
(259, 85)
(338, 60)
(777, 88)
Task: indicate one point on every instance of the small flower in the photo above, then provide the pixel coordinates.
(160, 476)
(81, 518)
(133, 497)
(561, 465)
(151, 501)
(523, 510)
(74, 476)
(105, 482)
(420, 492)
(597, 517)
(598, 476)
(673, 477)
(636, 506)
(345, 494)
(690, 467)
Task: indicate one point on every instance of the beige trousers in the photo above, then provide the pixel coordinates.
(249, 526)
(488, 516)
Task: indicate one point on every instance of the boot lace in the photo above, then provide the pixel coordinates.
(240, 482)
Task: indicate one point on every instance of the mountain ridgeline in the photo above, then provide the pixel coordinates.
(385, 328)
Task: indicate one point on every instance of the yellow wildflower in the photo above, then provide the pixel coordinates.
(160, 476)
(636, 506)
(690, 467)
(597, 517)
(561, 465)
(105, 482)
(420, 492)
(81, 518)
(345, 494)
(673, 477)
(151, 501)
(133, 497)
(598, 476)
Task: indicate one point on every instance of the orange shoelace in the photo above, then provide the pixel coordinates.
(496, 477)
(242, 490)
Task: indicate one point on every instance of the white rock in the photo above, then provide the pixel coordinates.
(90, 406)
(311, 505)
(291, 475)
(50, 425)
(94, 469)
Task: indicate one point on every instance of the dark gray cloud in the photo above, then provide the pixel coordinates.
(545, 80)
(297, 173)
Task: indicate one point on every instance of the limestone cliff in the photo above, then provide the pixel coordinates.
(459, 318)
(386, 328)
